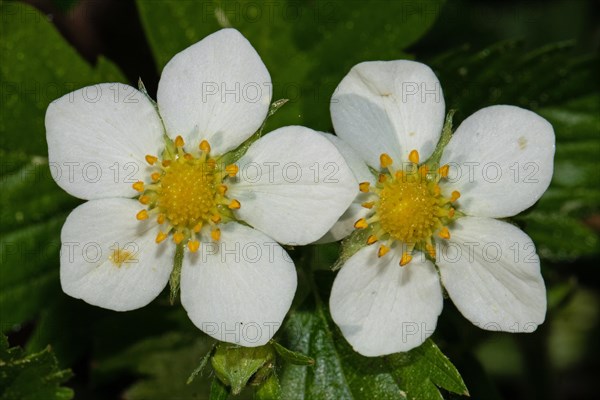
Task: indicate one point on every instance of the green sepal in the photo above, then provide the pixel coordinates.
(433, 162)
(218, 391)
(269, 390)
(200, 366)
(293, 357)
(236, 366)
(351, 245)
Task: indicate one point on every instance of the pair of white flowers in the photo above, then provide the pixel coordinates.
(158, 176)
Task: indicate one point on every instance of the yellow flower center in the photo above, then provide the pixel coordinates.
(187, 194)
(407, 207)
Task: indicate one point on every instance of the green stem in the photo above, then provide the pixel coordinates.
(175, 278)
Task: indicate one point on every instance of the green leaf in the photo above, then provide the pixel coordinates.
(307, 46)
(39, 67)
(31, 376)
(560, 237)
(341, 373)
(422, 370)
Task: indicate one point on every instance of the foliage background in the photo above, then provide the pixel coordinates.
(539, 55)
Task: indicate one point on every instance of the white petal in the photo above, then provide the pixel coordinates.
(217, 89)
(293, 185)
(501, 161)
(239, 289)
(92, 234)
(345, 225)
(98, 137)
(382, 308)
(492, 273)
(390, 107)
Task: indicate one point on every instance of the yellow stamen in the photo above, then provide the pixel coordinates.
(364, 187)
(216, 234)
(144, 199)
(160, 219)
(178, 237)
(193, 245)
(413, 157)
(368, 204)
(179, 141)
(383, 250)
(160, 237)
(382, 178)
(166, 163)
(205, 146)
(451, 212)
(437, 190)
(444, 233)
(371, 239)
(155, 176)
(216, 218)
(361, 224)
(385, 160)
(188, 156)
(430, 250)
(455, 196)
(406, 258)
(198, 227)
(222, 189)
(151, 159)
(444, 171)
(138, 186)
(234, 205)
(142, 215)
(232, 170)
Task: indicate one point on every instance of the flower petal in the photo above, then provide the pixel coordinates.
(293, 185)
(345, 224)
(98, 137)
(492, 273)
(382, 308)
(109, 258)
(501, 161)
(390, 107)
(217, 89)
(239, 289)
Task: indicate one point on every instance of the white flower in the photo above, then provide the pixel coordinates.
(387, 296)
(106, 144)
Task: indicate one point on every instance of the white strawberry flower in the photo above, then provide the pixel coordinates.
(154, 173)
(434, 223)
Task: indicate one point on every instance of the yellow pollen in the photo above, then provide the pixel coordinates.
(155, 176)
(204, 146)
(371, 239)
(232, 170)
(445, 233)
(179, 141)
(385, 160)
(151, 159)
(413, 157)
(193, 245)
(455, 196)
(234, 205)
(406, 258)
(138, 186)
(361, 224)
(178, 237)
(383, 250)
(120, 256)
(364, 187)
(142, 215)
(160, 237)
(216, 234)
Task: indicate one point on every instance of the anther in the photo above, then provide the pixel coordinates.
(205, 146)
(216, 234)
(385, 160)
(455, 196)
(361, 224)
(179, 141)
(383, 250)
(142, 215)
(160, 219)
(222, 189)
(368, 204)
(216, 218)
(444, 233)
(151, 159)
(160, 237)
(193, 245)
(234, 205)
(371, 239)
(406, 258)
(138, 186)
(413, 157)
(232, 170)
(178, 237)
(444, 171)
(144, 199)
(364, 187)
